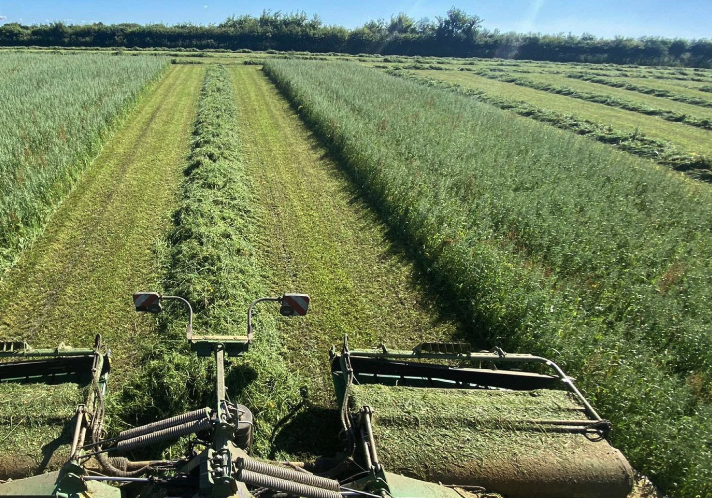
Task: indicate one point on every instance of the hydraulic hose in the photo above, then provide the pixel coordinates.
(110, 469)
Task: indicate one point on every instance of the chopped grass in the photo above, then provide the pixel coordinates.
(213, 265)
(483, 437)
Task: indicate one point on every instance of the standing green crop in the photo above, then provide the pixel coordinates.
(56, 111)
(552, 243)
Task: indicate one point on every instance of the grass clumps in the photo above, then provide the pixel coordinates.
(549, 243)
(213, 265)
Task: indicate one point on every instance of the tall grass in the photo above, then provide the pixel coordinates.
(556, 244)
(213, 264)
(56, 111)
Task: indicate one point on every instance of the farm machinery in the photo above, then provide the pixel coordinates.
(438, 421)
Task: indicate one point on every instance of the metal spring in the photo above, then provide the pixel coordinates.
(165, 423)
(165, 435)
(293, 488)
(250, 464)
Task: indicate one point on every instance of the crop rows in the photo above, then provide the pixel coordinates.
(213, 265)
(628, 105)
(55, 115)
(636, 143)
(550, 243)
(656, 92)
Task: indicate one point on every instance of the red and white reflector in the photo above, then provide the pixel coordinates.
(295, 304)
(147, 301)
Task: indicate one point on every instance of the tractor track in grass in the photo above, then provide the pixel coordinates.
(100, 246)
(318, 237)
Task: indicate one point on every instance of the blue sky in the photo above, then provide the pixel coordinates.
(607, 18)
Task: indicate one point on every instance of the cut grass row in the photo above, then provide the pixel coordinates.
(646, 90)
(56, 113)
(684, 87)
(213, 264)
(554, 243)
(613, 97)
(669, 144)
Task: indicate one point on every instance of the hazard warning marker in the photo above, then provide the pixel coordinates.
(147, 302)
(294, 305)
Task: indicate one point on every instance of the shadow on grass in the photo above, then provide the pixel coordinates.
(311, 431)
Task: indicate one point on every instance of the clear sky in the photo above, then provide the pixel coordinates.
(606, 18)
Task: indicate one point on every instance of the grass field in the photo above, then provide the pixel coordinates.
(408, 214)
(684, 140)
(698, 111)
(56, 113)
(318, 237)
(77, 280)
(576, 259)
(684, 87)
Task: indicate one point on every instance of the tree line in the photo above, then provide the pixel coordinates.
(457, 34)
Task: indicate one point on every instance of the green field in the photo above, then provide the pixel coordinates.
(101, 245)
(56, 112)
(554, 243)
(685, 137)
(408, 212)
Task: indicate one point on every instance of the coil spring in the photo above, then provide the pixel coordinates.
(293, 488)
(288, 474)
(165, 435)
(163, 424)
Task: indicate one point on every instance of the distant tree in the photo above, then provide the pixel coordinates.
(425, 26)
(376, 27)
(402, 23)
(678, 47)
(457, 23)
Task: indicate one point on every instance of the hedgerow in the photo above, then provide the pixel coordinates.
(548, 242)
